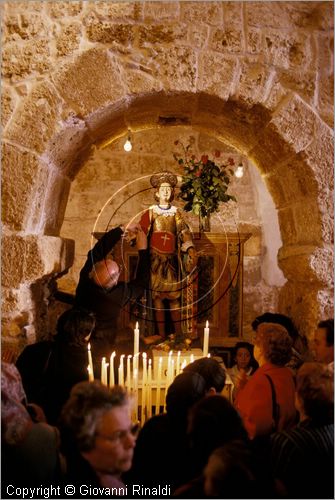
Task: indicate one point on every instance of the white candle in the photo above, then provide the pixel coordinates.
(136, 344)
(128, 384)
(111, 370)
(90, 374)
(103, 361)
(106, 373)
(206, 340)
(121, 373)
(158, 393)
(178, 364)
(90, 362)
(144, 387)
(135, 385)
(149, 392)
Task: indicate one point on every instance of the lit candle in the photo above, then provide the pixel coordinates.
(206, 340)
(191, 358)
(121, 373)
(128, 384)
(144, 387)
(111, 370)
(90, 362)
(183, 365)
(158, 393)
(136, 344)
(90, 374)
(103, 361)
(149, 394)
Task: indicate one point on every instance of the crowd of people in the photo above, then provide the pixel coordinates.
(274, 439)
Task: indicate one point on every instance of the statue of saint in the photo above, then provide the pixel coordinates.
(172, 254)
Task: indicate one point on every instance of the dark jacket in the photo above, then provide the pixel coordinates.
(107, 304)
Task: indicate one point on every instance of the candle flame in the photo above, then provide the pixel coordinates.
(136, 326)
(129, 356)
(207, 323)
(144, 355)
(89, 346)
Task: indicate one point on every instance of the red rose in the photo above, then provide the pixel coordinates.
(204, 159)
(217, 153)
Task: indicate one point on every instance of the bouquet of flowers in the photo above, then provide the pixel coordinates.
(204, 182)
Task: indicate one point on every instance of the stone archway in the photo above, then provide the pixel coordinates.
(52, 134)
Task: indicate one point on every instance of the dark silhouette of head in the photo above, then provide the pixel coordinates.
(186, 389)
(211, 370)
(74, 326)
(279, 319)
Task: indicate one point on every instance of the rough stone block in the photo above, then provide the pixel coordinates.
(17, 191)
(254, 84)
(303, 83)
(106, 32)
(61, 9)
(177, 68)
(161, 34)
(24, 26)
(9, 301)
(139, 82)
(288, 50)
(227, 40)
(279, 14)
(254, 40)
(276, 96)
(326, 97)
(22, 61)
(69, 39)
(198, 38)
(56, 195)
(159, 11)
(64, 148)
(108, 123)
(36, 119)
(319, 156)
(79, 86)
(117, 11)
(27, 259)
(199, 12)
(307, 264)
(217, 74)
(233, 13)
(8, 102)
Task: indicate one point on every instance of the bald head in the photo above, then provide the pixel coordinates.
(105, 273)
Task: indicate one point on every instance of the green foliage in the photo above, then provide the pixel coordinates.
(204, 182)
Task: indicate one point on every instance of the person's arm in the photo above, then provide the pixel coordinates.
(105, 244)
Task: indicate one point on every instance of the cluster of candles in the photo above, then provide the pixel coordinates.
(152, 385)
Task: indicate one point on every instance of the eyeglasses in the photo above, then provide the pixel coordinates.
(121, 435)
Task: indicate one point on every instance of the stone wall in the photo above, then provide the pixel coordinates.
(77, 75)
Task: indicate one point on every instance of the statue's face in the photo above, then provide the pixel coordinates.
(164, 192)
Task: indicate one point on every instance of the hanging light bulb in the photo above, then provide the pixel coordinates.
(128, 145)
(239, 172)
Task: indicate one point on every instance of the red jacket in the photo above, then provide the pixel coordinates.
(254, 401)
